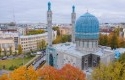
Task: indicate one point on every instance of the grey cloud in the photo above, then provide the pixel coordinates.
(35, 10)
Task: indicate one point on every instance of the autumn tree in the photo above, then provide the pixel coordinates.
(62, 39)
(23, 73)
(117, 31)
(4, 77)
(69, 72)
(114, 41)
(121, 42)
(20, 49)
(57, 40)
(33, 32)
(103, 39)
(112, 71)
(105, 42)
(48, 73)
(65, 38)
(122, 58)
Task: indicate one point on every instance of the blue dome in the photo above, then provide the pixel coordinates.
(87, 27)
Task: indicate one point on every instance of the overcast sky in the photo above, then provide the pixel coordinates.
(34, 11)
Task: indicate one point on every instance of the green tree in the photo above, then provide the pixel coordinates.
(117, 31)
(38, 45)
(62, 39)
(32, 32)
(58, 32)
(121, 42)
(122, 58)
(114, 41)
(20, 49)
(15, 53)
(57, 40)
(56, 28)
(43, 44)
(100, 39)
(10, 50)
(105, 40)
(5, 51)
(31, 50)
(112, 71)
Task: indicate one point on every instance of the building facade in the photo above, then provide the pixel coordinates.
(15, 37)
(30, 41)
(65, 30)
(6, 43)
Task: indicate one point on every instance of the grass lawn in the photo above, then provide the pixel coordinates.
(15, 62)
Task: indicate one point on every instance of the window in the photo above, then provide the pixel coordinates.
(92, 44)
(79, 43)
(83, 44)
(88, 44)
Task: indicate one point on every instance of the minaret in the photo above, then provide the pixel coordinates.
(49, 24)
(73, 19)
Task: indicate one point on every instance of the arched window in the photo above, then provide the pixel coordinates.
(83, 44)
(51, 60)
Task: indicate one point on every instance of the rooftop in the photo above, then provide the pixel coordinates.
(70, 49)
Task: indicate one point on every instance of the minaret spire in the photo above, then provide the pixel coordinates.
(49, 6)
(73, 19)
(49, 24)
(73, 8)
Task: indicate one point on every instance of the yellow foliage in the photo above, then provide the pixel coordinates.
(4, 77)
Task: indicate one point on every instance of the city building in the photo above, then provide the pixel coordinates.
(11, 27)
(29, 42)
(15, 37)
(6, 43)
(65, 30)
(83, 52)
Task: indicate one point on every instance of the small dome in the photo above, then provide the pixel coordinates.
(87, 27)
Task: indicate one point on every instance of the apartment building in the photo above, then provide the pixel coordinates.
(30, 41)
(12, 35)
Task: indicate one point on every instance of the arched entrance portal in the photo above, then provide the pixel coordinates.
(51, 60)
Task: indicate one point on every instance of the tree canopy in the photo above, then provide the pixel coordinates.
(112, 40)
(62, 39)
(32, 32)
(113, 71)
(68, 72)
(20, 49)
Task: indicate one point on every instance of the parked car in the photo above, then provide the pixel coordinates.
(4, 58)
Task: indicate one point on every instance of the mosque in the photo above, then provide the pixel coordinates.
(83, 52)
